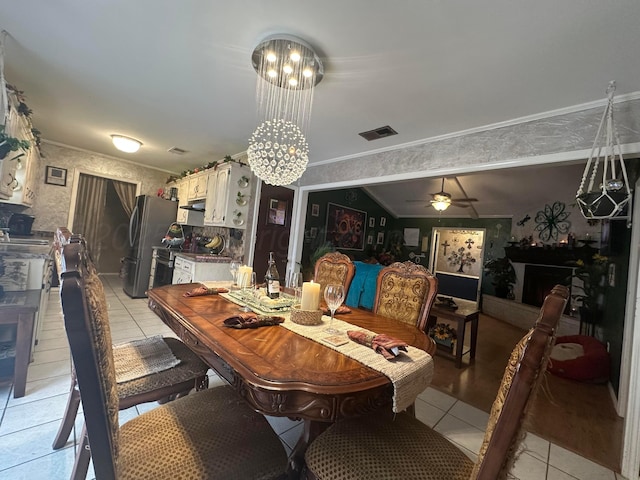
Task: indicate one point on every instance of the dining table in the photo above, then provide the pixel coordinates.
(280, 372)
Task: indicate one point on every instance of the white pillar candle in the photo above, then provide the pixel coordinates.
(310, 296)
(244, 276)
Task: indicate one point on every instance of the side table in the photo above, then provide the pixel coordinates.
(467, 311)
(21, 312)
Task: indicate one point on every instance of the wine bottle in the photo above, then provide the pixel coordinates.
(272, 278)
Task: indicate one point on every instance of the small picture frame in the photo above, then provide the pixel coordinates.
(372, 222)
(56, 176)
(380, 239)
(313, 232)
(315, 210)
(383, 221)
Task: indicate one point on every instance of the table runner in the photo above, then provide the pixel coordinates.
(139, 358)
(410, 372)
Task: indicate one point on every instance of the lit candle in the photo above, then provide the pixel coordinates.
(310, 296)
(244, 276)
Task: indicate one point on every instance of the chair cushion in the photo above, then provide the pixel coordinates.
(208, 434)
(378, 446)
(189, 368)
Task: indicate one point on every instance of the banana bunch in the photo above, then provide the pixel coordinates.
(215, 242)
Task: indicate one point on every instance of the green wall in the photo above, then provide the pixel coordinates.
(497, 237)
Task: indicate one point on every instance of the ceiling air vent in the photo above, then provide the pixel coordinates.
(177, 150)
(377, 133)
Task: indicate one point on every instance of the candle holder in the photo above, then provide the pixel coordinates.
(306, 317)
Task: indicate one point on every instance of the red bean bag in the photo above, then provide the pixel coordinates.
(581, 358)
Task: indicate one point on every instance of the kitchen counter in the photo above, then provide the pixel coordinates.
(204, 257)
(25, 250)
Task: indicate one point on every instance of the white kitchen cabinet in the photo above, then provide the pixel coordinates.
(186, 217)
(18, 177)
(227, 202)
(183, 188)
(186, 270)
(197, 186)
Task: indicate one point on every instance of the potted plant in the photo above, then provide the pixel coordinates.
(11, 144)
(592, 276)
(503, 275)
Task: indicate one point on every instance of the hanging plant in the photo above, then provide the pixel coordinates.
(11, 144)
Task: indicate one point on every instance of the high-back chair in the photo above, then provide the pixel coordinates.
(334, 268)
(208, 434)
(381, 446)
(405, 292)
(190, 373)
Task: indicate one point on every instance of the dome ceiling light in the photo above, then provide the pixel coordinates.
(126, 144)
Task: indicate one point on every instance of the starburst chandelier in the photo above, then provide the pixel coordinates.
(288, 71)
(607, 193)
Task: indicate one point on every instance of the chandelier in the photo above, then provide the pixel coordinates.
(288, 70)
(607, 193)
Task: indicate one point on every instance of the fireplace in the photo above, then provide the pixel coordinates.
(540, 279)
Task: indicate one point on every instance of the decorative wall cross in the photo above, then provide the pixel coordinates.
(445, 245)
(469, 242)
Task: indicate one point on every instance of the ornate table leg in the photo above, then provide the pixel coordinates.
(296, 459)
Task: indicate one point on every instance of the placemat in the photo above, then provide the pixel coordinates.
(139, 358)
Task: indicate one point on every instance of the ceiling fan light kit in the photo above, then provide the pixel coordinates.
(607, 194)
(288, 70)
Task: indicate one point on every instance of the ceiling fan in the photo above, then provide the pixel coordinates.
(442, 200)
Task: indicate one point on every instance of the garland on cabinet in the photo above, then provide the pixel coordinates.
(214, 165)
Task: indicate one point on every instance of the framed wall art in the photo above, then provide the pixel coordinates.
(277, 212)
(345, 227)
(315, 210)
(380, 239)
(56, 176)
(383, 221)
(372, 222)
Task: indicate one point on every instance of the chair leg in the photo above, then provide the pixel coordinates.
(69, 417)
(83, 457)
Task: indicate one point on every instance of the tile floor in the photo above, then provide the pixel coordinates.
(28, 424)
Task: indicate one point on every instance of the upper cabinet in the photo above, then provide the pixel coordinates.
(227, 202)
(18, 175)
(186, 217)
(198, 186)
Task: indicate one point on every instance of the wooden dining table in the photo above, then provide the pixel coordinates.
(279, 372)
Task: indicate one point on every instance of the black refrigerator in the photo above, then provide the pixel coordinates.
(149, 222)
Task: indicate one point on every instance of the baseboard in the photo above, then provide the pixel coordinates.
(524, 316)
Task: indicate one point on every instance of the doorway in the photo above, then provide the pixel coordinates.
(272, 230)
(100, 212)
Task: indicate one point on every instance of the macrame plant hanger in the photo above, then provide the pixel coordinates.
(607, 195)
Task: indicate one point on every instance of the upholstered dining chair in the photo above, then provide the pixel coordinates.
(175, 382)
(212, 433)
(382, 446)
(405, 292)
(334, 268)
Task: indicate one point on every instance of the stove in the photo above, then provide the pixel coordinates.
(162, 263)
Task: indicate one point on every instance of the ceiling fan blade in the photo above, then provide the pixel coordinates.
(464, 199)
(460, 205)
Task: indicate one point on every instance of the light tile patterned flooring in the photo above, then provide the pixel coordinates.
(28, 424)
